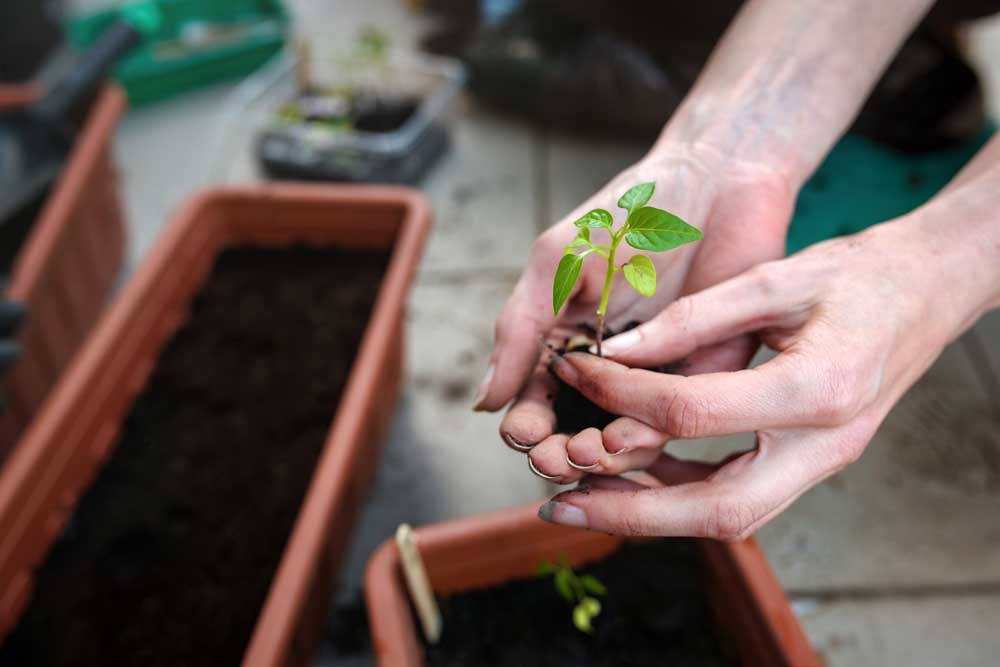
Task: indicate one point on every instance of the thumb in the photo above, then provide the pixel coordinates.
(518, 336)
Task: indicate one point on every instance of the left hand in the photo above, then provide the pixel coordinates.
(743, 210)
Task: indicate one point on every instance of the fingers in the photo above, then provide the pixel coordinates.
(732, 355)
(525, 319)
(564, 459)
(730, 503)
(773, 395)
(740, 305)
(530, 419)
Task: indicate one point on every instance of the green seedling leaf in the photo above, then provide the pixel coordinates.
(636, 197)
(563, 584)
(544, 568)
(591, 605)
(566, 275)
(598, 218)
(581, 618)
(582, 240)
(657, 230)
(641, 274)
(593, 585)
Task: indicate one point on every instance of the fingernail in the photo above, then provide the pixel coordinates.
(484, 387)
(578, 466)
(619, 452)
(621, 343)
(564, 369)
(514, 443)
(551, 478)
(564, 514)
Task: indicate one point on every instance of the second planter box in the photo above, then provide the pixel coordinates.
(153, 366)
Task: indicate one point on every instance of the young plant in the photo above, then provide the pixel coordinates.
(646, 228)
(577, 589)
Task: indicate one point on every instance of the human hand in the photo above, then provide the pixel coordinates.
(855, 322)
(743, 210)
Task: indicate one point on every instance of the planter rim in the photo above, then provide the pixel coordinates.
(276, 621)
(69, 260)
(385, 592)
(68, 188)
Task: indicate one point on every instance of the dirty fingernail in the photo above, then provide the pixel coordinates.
(514, 443)
(531, 464)
(564, 369)
(484, 387)
(621, 343)
(563, 513)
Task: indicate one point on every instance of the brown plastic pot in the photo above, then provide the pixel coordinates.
(68, 263)
(78, 426)
(486, 550)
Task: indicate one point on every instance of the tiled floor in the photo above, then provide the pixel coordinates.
(896, 561)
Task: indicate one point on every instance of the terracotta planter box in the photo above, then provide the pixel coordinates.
(77, 429)
(486, 550)
(68, 263)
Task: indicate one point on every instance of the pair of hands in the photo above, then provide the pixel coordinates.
(855, 322)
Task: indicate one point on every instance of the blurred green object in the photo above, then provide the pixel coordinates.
(188, 43)
(862, 183)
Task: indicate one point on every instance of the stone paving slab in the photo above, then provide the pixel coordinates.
(983, 345)
(483, 195)
(577, 167)
(443, 460)
(910, 632)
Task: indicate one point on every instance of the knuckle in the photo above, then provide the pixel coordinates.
(839, 399)
(849, 451)
(686, 416)
(676, 319)
(638, 516)
(680, 311)
(765, 279)
(730, 519)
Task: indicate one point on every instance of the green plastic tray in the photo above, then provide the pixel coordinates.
(187, 43)
(861, 184)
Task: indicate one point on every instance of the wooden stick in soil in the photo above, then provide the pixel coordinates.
(418, 584)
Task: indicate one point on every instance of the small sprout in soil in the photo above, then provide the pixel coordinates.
(645, 228)
(372, 45)
(576, 589)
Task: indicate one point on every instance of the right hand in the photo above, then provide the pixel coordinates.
(742, 208)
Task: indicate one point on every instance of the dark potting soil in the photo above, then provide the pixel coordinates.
(365, 111)
(574, 411)
(655, 613)
(171, 552)
(383, 114)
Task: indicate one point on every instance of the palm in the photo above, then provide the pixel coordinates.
(743, 225)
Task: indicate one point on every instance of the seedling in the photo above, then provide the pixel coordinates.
(576, 589)
(645, 228)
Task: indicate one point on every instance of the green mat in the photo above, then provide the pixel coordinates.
(187, 43)
(862, 183)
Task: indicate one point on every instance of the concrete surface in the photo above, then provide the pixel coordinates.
(896, 561)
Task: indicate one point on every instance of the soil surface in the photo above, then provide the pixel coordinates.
(383, 114)
(655, 613)
(574, 411)
(171, 552)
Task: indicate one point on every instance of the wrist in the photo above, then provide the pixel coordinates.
(955, 243)
(727, 129)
